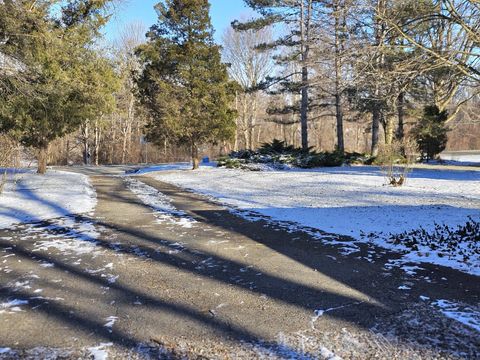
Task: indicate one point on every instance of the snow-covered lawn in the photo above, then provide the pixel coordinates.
(459, 157)
(348, 201)
(35, 197)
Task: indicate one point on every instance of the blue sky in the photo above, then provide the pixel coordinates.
(223, 12)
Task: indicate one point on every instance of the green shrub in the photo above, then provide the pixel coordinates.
(278, 155)
(229, 163)
(431, 132)
(277, 147)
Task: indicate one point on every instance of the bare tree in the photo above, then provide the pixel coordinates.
(249, 67)
(130, 37)
(455, 25)
(447, 34)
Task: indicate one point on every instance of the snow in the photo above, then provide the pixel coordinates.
(461, 313)
(169, 167)
(12, 305)
(163, 167)
(328, 355)
(99, 352)
(34, 197)
(320, 312)
(66, 235)
(459, 157)
(348, 200)
(161, 204)
(110, 321)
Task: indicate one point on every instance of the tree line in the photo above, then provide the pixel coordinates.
(379, 62)
(343, 74)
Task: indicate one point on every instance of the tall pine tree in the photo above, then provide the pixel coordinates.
(184, 85)
(297, 17)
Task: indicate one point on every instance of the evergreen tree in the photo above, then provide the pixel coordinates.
(431, 132)
(184, 85)
(60, 81)
(297, 40)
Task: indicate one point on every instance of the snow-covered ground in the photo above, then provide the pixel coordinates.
(29, 197)
(348, 201)
(163, 167)
(466, 157)
(461, 313)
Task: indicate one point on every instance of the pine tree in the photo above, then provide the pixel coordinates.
(431, 132)
(59, 81)
(184, 85)
(297, 40)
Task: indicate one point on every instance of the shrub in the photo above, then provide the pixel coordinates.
(9, 158)
(464, 240)
(396, 160)
(359, 159)
(277, 147)
(431, 132)
(279, 155)
(229, 163)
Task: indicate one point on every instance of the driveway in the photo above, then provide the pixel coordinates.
(201, 282)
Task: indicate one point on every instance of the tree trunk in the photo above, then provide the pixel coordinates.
(304, 109)
(124, 146)
(195, 158)
(86, 147)
(245, 121)
(305, 49)
(67, 153)
(252, 120)
(389, 130)
(259, 134)
(131, 119)
(112, 148)
(42, 159)
(338, 80)
(237, 123)
(375, 131)
(377, 111)
(96, 147)
(401, 116)
(339, 117)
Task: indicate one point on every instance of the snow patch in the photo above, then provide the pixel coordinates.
(162, 167)
(34, 197)
(100, 352)
(110, 321)
(165, 212)
(12, 306)
(67, 235)
(461, 313)
(320, 312)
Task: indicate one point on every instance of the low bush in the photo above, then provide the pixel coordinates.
(9, 158)
(396, 160)
(279, 155)
(462, 241)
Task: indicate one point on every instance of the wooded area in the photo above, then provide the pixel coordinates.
(349, 75)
